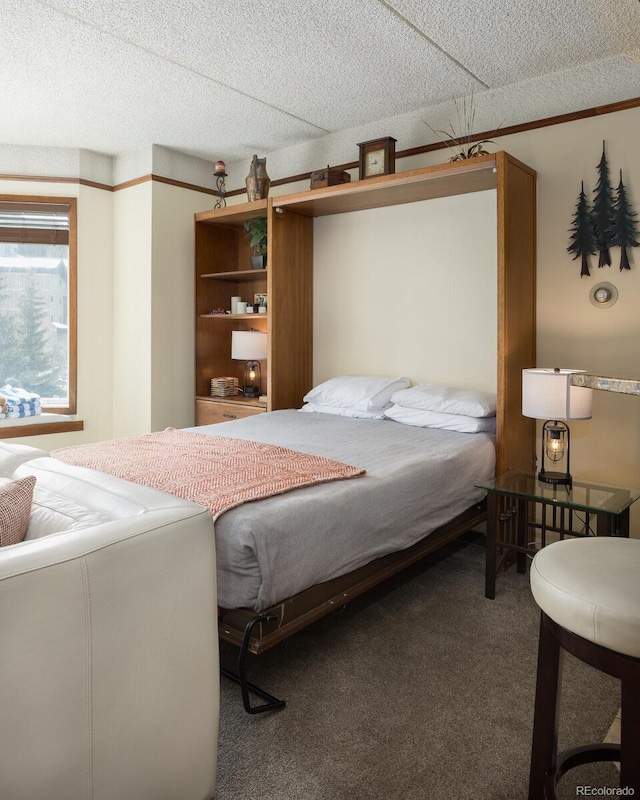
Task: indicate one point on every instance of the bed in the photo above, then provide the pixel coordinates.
(286, 561)
(393, 493)
(416, 480)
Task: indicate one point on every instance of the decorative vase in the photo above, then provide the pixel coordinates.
(257, 180)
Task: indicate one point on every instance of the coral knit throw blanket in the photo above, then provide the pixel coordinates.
(214, 471)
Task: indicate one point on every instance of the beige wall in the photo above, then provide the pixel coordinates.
(95, 307)
(173, 287)
(154, 300)
(571, 332)
(391, 286)
(131, 330)
(135, 307)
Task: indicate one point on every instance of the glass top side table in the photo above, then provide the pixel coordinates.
(513, 515)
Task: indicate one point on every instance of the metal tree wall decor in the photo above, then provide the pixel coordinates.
(582, 242)
(609, 222)
(602, 213)
(625, 230)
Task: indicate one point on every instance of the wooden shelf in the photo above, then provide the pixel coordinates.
(443, 180)
(222, 252)
(221, 244)
(235, 400)
(234, 316)
(237, 275)
(234, 216)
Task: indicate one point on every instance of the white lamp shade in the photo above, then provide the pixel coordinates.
(547, 394)
(248, 345)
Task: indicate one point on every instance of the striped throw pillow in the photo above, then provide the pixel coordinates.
(15, 509)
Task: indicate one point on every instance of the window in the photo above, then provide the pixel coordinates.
(38, 298)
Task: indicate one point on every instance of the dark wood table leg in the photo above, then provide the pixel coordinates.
(523, 526)
(613, 524)
(490, 546)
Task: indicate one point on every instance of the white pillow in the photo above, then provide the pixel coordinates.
(445, 400)
(434, 419)
(341, 411)
(362, 393)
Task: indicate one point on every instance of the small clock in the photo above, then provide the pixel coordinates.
(377, 157)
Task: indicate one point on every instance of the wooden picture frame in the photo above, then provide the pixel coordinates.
(260, 299)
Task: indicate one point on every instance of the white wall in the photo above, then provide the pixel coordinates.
(95, 307)
(173, 302)
(135, 307)
(131, 331)
(95, 317)
(571, 331)
(153, 328)
(392, 284)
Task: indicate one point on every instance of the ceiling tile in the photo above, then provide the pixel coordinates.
(334, 64)
(71, 85)
(506, 41)
(228, 79)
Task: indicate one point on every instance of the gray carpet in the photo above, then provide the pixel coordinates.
(421, 690)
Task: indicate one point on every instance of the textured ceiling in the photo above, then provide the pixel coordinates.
(227, 79)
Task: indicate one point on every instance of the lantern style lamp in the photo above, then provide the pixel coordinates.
(548, 394)
(250, 347)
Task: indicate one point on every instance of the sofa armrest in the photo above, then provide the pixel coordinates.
(109, 678)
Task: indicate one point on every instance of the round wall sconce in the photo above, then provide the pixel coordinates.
(603, 295)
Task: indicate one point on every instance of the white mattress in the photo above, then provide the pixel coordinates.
(417, 480)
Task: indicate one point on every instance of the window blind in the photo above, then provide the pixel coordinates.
(34, 223)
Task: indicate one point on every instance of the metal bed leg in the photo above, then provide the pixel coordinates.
(273, 703)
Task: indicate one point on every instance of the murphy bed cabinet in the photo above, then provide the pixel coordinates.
(222, 270)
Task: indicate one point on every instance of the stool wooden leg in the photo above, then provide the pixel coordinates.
(544, 748)
(630, 731)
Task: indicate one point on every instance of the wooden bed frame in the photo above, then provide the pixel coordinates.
(515, 185)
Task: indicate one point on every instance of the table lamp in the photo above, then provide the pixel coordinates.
(549, 395)
(250, 347)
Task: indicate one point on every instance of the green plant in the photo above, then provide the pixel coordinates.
(256, 233)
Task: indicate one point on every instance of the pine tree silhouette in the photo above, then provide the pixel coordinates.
(602, 213)
(581, 241)
(625, 226)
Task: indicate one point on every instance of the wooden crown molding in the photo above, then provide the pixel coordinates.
(559, 119)
(53, 179)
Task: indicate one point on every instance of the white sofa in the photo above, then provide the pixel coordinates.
(109, 676)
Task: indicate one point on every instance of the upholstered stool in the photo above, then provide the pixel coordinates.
(589, 593)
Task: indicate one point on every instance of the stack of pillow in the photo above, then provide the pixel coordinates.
(431, 406)
(351, 396)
